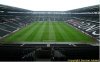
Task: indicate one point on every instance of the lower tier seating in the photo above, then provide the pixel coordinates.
(16, 52)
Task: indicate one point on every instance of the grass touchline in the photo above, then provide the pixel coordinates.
(48, 31)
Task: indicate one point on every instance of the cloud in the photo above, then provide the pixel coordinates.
(49, 5)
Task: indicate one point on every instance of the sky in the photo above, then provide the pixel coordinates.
(49, 5)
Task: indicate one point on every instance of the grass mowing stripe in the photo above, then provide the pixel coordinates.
(51, 32)
(59, 36)
(34, 32)
(19, 33)
(47, 31)
(45, 36)
(39, 33)
(62, 32)
(80, 36)
(27, 34)
(65, 32)
(69, 32)
(74, 35)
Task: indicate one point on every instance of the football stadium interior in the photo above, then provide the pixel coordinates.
(27, 35)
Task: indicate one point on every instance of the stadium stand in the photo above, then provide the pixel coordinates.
(53, 53)
(12, 19)
(11, 25)
(87, 20)
(3, 32)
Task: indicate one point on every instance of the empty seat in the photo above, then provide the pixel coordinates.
(3, 33)
(7, 27)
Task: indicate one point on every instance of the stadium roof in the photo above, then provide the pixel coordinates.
(9, 8)
(94, 8)
(49, 5)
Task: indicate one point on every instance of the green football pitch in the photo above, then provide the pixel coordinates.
(48, 31)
